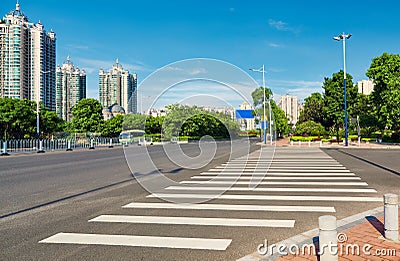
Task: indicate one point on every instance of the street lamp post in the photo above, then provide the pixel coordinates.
(262, 70)
(343, 37)
(40, 150)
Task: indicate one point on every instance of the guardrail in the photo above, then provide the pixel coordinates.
(33, 145)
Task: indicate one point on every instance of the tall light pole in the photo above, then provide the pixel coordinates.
(40, 150)
(343, 37)
(262, 70)
(38, 107)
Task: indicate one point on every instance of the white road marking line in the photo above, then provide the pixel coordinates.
(277, 183)
(322, 164)
(139, 241)
(238, 174)
(196, 221)
(230, 207)
(328, 190)
(279, 170)
(267, 197)
(226, 177)
(262, 166)
(286, 160)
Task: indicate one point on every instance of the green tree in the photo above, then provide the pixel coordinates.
(50, 122)
(258, 96)
(385, 72)
(154, 125)
(313, 108)
(334, 101)
(87, 116)
(134, 122)
(113, 127)
(280, 119)
(278, 115)
(309, 128)
(17, 118)
(192, 121)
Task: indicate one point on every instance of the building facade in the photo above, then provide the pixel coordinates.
(118, 86)
(70, 88)
(290, 105)
(365, 87)
(27, 59)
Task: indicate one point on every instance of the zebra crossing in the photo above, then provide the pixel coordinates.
(288, 180)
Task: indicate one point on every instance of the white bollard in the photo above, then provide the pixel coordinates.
(69, 146)
(111, 144)
(391, 211)
(40, 147)
(4, 152)
(291, 143)
(328, 246)
(320, 143)
(91, 145)
(309, 143)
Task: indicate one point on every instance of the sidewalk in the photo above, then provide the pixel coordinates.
(372, 145)
(360, 242)
(360, 237)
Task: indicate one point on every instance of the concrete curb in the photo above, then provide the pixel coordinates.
(308, 236)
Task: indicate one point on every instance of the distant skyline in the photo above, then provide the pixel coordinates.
(292, 38)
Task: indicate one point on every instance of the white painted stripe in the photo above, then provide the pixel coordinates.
(279, 170)
(227, 177)
(277, 183)
(282, 163)
(263, 166)
(230, 207)
(196, 221)
(139, 241)
(285, 160)
(267, 197)
(330, 190)
(238, 174)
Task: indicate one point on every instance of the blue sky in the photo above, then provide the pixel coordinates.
(292, 38)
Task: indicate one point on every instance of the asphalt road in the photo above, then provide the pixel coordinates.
(42, 195)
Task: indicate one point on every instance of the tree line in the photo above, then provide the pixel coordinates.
(377, 112)
(18, 121)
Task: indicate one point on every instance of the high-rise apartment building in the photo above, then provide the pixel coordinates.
(70, 88)
(365, 87)
(290, 105)
(27, 59)
(118, 86)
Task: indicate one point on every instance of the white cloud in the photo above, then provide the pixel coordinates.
(197, 71)
(283, 26)
(300, 88)
(275, 45)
